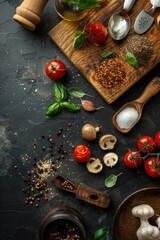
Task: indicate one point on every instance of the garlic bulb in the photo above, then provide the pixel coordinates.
(146, 231)
(158, 222)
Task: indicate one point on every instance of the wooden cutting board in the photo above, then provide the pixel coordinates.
(88, 58)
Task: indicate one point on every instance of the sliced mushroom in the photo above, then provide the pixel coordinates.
(110, 159)
(94, 165)
(107, 142)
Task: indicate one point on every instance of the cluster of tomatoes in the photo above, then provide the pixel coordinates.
(95, 32)
(146, 153)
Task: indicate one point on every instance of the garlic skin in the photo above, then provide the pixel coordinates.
(158, 222)
(146, 231)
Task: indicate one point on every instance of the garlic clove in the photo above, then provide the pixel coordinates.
(89, 106)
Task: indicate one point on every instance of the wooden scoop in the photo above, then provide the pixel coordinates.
(83, 192)
(137, 105)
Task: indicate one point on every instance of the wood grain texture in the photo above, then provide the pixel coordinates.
(88, 58)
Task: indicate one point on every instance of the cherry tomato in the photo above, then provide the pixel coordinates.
(146, 144)
(82, 153)
(152, 167)
(96, 33)
(132, 159)
(157, 139)
(55, 69)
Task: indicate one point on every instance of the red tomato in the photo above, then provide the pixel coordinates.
(82, 153)
(96, 33)
(157, 139)
(146, 144)
(152, 167)
(132, 159)
(55, 69)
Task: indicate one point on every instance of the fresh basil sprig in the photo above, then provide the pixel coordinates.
(85, 4)
(61, 95)
(102, 234)
(106, 54)
(131, 59)
(77, 92)
(79, 39)
(111, 180)
(60, 92)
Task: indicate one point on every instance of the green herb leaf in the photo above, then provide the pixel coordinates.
(111, 180)
(87, 4)
(106, 54)
(131, 59)
(60, 92)
(102, 234)
(79, 39)
(77, 92)
(53, 110)
(70, 106)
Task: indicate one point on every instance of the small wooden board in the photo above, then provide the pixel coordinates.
(88, 58)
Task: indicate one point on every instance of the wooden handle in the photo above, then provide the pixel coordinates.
(29, 13)
(92, 196)
(152, 88)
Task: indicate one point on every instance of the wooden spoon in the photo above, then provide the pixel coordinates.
(137, 105)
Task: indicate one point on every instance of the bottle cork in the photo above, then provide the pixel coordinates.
(29, 13)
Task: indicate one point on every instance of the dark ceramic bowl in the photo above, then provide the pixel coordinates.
(59, 223)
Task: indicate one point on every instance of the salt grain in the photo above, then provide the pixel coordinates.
(127, 117)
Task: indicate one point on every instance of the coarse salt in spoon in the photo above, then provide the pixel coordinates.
(130, 113)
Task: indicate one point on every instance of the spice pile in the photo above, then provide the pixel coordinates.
(140, 46)
(62, 229)
(36, 180)
(110, 74)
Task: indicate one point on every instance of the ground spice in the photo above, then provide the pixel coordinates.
(110, 73)
(62, 229)
(140, 46)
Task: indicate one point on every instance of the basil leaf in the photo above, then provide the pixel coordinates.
(76, 92)
(87, 4)
(53, 110)
(60, 92)
(102, 234)
(112, 180)
(70, 106)
(131, 59)
(79, 39)
(106, 54)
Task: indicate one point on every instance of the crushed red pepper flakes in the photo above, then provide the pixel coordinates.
(110, 73)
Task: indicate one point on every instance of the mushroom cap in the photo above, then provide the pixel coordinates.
(107, 142)
(143, 211)
(89, 132)
(110, 159)
(94, 165)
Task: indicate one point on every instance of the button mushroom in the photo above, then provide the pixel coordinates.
(110, 159)
(94, 165)
(146, 230)
(107, 142)
(89, 132)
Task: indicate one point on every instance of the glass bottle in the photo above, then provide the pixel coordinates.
(69, 12)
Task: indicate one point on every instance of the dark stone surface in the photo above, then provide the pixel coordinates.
(25, 92)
